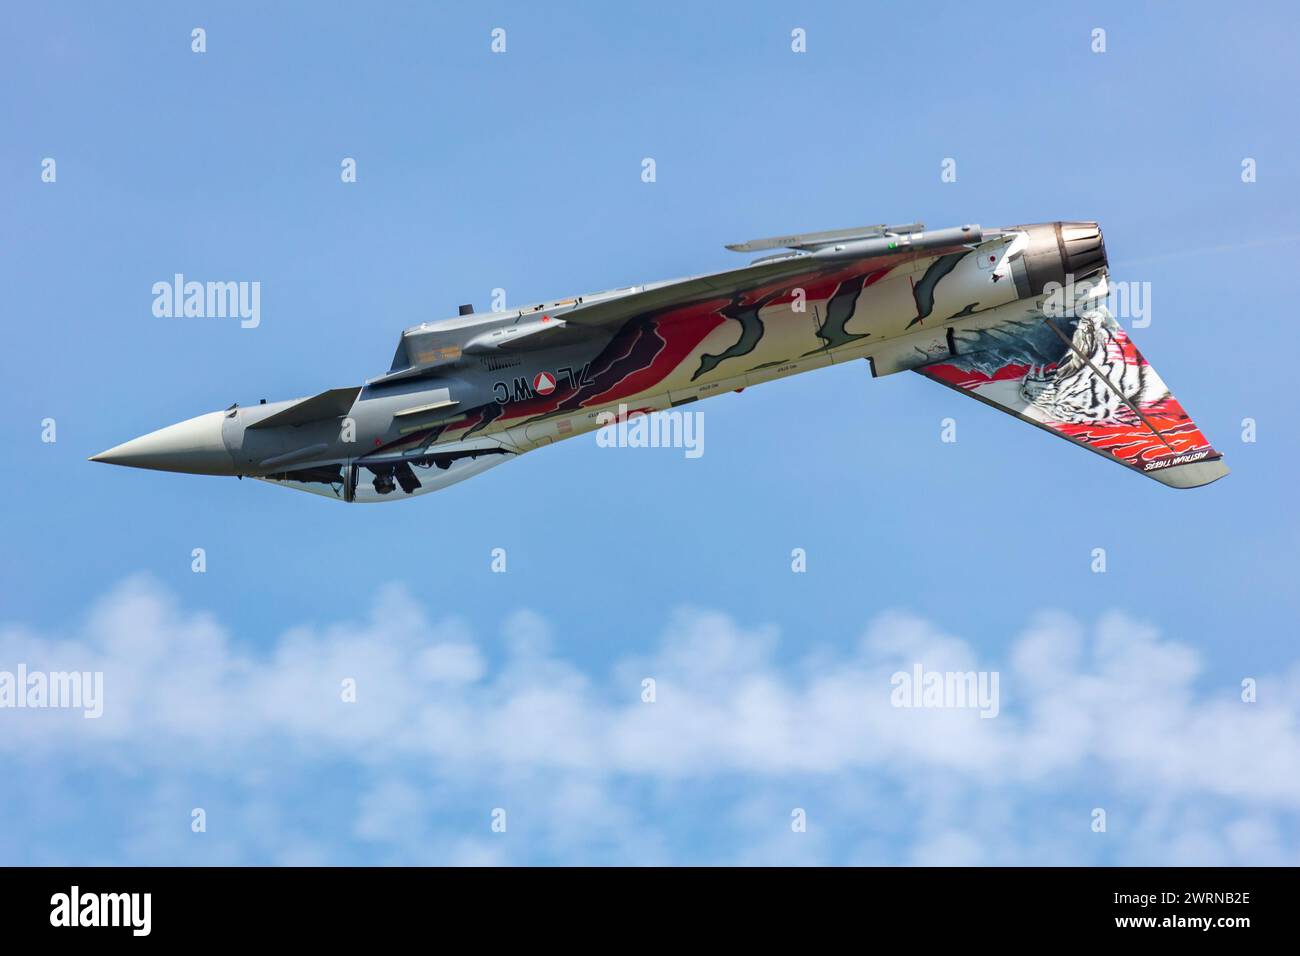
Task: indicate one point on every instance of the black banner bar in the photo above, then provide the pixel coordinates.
(330, 906)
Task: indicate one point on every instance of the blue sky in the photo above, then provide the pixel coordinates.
(522, 690)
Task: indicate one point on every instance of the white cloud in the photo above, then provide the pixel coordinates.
(1113, 716)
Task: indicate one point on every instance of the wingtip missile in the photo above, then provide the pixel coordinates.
(820, 240)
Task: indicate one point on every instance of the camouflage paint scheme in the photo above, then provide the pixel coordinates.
(965, 308)
(1082, 378)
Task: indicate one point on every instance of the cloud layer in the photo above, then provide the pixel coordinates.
(446, 727)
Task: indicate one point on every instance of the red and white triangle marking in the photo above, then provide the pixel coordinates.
(544, 383)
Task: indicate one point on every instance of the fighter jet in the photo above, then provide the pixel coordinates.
(1015, 318)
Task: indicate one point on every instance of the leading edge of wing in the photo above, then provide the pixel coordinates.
(869, 253)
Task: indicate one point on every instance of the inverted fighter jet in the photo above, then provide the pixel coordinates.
(1015, 318)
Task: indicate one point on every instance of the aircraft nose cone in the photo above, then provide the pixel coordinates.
(194, 447)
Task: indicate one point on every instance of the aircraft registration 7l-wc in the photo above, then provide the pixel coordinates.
(1014, 317)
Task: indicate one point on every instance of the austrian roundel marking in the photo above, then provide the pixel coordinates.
(544, 383)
